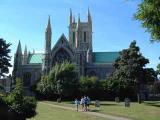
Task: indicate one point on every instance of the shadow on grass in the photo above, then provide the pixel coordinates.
(103, 104)
(94, 110)
(107, 104)
(153, 103)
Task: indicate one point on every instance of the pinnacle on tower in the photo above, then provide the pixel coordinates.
(19, 49)
(89, 16)
(74, 19)
(25, 56)
(70, 16)
(78, 24)
(25, 50)
(48, 25)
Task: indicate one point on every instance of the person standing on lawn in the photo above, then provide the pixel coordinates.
(82, 103)
(85, 103)
(76, 103)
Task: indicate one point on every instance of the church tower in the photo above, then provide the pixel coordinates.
(47, 54)
(80, 38)
(80, 33)
(17, 62)
(89, 51)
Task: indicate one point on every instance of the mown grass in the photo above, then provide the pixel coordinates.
(46, 112)
(149, 110)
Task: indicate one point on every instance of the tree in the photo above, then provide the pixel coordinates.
(1, 88)
(88, 84)
(150, 76)
(62, 80)
(4, 57)
(129, 72)
(23, 107)
(158, 68)
(149, 14)
(91, 86)
(156, 87)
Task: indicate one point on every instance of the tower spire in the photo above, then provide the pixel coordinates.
(48, 37)
(74, 19)
(19, 49)
(25, 50)
(78, 24)
(89, 16)
(70, 16)
(25, 56)
(49, 24)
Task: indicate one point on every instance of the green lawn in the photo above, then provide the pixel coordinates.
(46, 112)
(144, 111)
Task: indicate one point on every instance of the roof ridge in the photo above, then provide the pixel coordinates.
(108, 52)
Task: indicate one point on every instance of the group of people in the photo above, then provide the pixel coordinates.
(84, 102)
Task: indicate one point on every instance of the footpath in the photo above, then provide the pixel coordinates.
(108, 117)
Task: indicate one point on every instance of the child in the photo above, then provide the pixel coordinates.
(76, 103)
(85, 103)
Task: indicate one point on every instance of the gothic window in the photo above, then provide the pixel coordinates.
(80, 35)
(80, 59)
(61, 56)
(84, 36)
(27, 79)
(74, 37)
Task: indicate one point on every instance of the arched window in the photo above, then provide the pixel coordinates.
(84, 36)
(61, 56)
(81, 59)
(74, 38)
(27, 79)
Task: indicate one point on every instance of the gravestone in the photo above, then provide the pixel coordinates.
(127, 102)
(59, 100)
(97, 103)
(117, 99)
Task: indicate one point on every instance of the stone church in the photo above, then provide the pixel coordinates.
(76, 49)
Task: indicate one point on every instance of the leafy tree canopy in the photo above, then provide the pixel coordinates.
(88, 84)
(4, 57)
(130, 71)
(22, 106)
(62, 80)
(148, 14)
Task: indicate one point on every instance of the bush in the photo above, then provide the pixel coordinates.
(3, 109)
(5, 112)
(22, 107)
(29, 106)
(92, 86)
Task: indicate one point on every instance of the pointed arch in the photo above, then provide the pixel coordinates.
(60, 55)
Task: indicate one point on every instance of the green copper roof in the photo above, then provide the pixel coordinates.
(35, 58)
(98, 57)
(105, 57)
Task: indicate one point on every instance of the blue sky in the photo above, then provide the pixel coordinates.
(113, 24)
